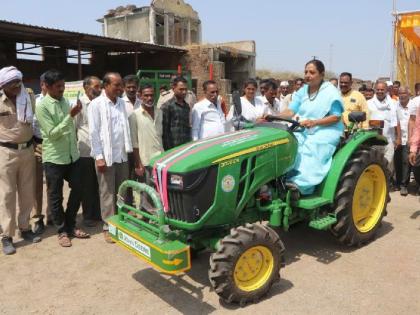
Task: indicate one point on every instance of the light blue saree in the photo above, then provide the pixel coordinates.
(317, 145)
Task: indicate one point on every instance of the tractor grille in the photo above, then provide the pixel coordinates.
(191, 202)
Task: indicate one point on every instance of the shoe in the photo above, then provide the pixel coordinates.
(64, 240)
(108, 238)
(404, 191)
(78, 233)
(8, 248)
(30, 236)
(39, 227)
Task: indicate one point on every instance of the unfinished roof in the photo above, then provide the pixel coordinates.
(177, 7)
(37, 35)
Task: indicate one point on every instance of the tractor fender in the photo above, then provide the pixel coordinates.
(329, 185)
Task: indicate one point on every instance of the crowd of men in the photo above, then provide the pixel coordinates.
(114, 130)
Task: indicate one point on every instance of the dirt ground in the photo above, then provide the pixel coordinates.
(320, 277)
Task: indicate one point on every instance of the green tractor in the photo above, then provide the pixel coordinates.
(228, 194)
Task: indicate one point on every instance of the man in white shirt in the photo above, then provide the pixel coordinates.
(402, 165)
(273, 106)
(110, 142)
(131, 86)
(384, 108)
(146, 142)
(39, 226)
(208, 118)
(132, 102)
(90, 194)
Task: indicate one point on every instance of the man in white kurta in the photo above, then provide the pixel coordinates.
(384, 108)
(110, 142)
(208, 118)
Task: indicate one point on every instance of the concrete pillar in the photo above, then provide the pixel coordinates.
(152, 26)
(188, 32)
(166, 30)
(182, 43)
(199, 33)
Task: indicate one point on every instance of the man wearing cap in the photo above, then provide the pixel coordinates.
(16, 159)
(284, 96)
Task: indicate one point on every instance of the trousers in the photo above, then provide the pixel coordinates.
(402, 165)
(90, 193)
(65, 221)
(109, 182)
(17, 173)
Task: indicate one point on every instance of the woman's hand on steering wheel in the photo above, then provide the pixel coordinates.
(308, 123)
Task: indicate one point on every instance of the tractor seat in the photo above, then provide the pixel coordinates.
(357, 117)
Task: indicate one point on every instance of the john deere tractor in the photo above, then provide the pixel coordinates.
(228, 194)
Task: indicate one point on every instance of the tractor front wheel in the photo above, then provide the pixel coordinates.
(246, 264)
(362, 197)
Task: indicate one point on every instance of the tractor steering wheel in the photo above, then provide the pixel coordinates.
(296, 126)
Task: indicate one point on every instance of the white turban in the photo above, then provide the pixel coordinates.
(8, 74)
(23, 101)
(284, 83)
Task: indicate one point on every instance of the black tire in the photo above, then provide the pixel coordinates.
(224, 261)
(345, 230)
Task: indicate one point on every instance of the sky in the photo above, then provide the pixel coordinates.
(353, 36)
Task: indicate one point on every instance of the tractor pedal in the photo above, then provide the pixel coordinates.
(323, 223)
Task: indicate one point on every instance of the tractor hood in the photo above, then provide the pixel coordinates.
(219, 149)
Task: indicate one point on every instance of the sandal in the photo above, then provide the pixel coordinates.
(78, 233)
(64, 240)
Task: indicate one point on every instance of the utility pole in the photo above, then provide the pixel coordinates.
(393, 50)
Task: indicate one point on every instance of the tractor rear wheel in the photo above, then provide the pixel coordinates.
(246, 264)
(362, 197)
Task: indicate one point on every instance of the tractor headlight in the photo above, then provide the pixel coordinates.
(176, 180)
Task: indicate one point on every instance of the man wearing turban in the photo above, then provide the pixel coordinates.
(16, 159)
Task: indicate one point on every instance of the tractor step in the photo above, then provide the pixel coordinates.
(323, 223)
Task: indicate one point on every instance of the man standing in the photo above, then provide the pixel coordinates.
(263, 87)
(60, 156)
(353, 100)
(111, 142)
(16, 158)
(272, 104)
(146, 142)
(90, 193)
(402, 165)
(283, 90)
(289, 97)
(395, 90)
(208, 118)
(39, 225)
(131, 85)
(334, 82)
(384, 108)
(176, 129)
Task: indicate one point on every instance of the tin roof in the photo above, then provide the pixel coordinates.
(45, 36)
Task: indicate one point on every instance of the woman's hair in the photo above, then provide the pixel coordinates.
(318, 65)
(252, 82)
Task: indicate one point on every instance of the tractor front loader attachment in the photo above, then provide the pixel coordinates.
(146, 234)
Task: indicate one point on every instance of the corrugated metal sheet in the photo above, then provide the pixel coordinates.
(19, 32)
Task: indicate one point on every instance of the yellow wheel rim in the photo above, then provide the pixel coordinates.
(369, 198)
(253, 268)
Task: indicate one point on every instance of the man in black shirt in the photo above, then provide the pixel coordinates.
(176, 127)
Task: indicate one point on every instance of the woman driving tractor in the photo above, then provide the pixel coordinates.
(319, 107)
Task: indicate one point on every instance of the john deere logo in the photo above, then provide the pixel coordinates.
(228, 183)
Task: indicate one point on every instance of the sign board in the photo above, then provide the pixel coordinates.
(72, 88)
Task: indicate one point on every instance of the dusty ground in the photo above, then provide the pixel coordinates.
(320, 277)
